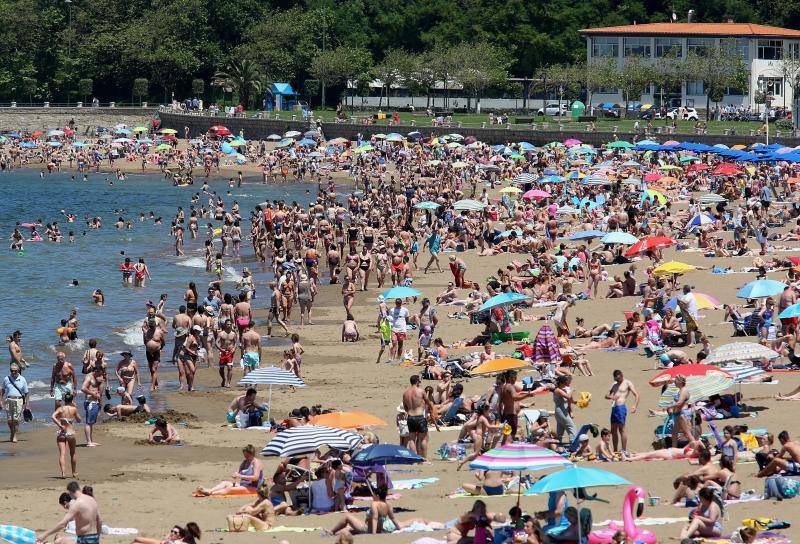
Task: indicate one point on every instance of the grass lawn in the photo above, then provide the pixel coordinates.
(603, 125)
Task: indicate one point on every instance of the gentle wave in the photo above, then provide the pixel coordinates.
(131, 334)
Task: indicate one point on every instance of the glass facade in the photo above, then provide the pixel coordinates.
(605, 47)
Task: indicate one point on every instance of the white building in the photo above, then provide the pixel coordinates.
(762, 48)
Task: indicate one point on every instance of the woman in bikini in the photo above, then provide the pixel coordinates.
(481, 435)
(706, 521)
(65, 418)
(379, 519)
(187, 359)
(247, 479)
(593, 279)
(259, 515)
(128, 374)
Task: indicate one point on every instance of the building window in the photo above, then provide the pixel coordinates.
(773, 86)
(695, 88)
(794, 50)
(605, 47)
(770, 49)
(636, 47)
(731, 91)
(699, 46)
(741, 46)
(669, 47)
(607, 90)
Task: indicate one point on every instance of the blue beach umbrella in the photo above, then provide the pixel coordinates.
(575, 477)
(790, 312)
(386, 454)
(619, 237)
(28, 144)
(305, 142)
(54, 144)
(701, 219)
(401, 292)
(584, 234)
(426, 205)
(503, 298)
(761, 289)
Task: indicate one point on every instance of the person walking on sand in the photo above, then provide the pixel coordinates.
(14, 398)
(84, 512)
(618, 394)
(93, 386)
(226, 341)
(64, 418)
(434, 244)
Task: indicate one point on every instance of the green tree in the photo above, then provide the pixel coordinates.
(719, 68)
(595, 75)
(85, 88)
(334, 66)
(198, 87)
(244, 78)
(481, 65)
(666, 75)
(633, 77)
(394, 68)
(140, 87)
(421, 77)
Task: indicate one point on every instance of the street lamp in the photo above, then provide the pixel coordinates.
(767, 87)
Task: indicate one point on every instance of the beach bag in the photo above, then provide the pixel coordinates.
(781, 487)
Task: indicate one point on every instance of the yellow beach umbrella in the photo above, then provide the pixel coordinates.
(168, 131)
(673, 268)
(513, 190)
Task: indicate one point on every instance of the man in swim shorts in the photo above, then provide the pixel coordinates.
(251, 348)
(414, 405)
(619, 393)
(226, 344)
(62, 379)
(84, 512)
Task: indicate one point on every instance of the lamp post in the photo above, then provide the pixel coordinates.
(767, 87)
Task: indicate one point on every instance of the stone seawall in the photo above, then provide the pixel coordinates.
(261, 128)
(86, 119)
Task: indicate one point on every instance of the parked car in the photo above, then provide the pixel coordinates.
(553, 109)
(609, 109)
(689, 114)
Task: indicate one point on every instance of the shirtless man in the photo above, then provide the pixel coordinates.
(227, 339)
(414, 405)
(15, 350)
(244, 403)
(397, 265)
(791, 466)
(93, 386)
(787, 298)
(84, 512)
(180, 324)
(619, 410)
(62, 379)
(153, 338)
(251, 349)
(508, 405)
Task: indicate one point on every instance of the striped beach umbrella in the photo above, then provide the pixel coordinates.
(469, 205)
(701, 219)
(519, 456)
(693, 369)
(545, 347)
(523, 178)
(739, 351)
(743, 373)
(271, 375)
(17, 535)
(699, 387)
(712, 198)
(308, 439)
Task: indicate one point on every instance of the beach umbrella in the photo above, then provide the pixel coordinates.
(619, 237)
(761, 289)
(469, 205)
(536, 194)
(120, 131)
(380, 136)
(648, 244)
(140, 129)
(52, 133)
(545, 347)
(79, 144)
(572, 142)
(414, 135)
(519, 456)
(386, 454)
(37, 134)
(401, 292)
(701, 219)
(123, 140)
(743, 373)
(704, 302)
(311, 134)
(426, 205)
(336, 141)
(586, 234)
(271, 375)
(693, 369)
(653, 194)
(489, 167)
(712, 198)
(790, 312)
(347, 420)
(28, 144)
(305, 142)
(499, 365)
(669, 167)
(462, 164)
(502, 299)
(286, 142)
(524, 177)
(699, 387)
(163, 147)
(167, 131)
(292, 134)
(394, 137)
(620, 144)
(511, 190)
(652, 176)
(17, 535)
(54, 144)
(315, 155)
(274, 137)
(739, 351)
(726, 169)
(575, 477)
(673, 268)
(308, 439)
(568, 210)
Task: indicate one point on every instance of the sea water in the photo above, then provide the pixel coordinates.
(37, 283)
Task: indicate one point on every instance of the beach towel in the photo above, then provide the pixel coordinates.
(414, 483)
(106, 530)
(235, 492)
(389, 497)
(746, 497)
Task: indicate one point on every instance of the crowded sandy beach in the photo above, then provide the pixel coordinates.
(430, 339)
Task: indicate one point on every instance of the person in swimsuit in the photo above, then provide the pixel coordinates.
(680, 411)
(260, 515)
(64, 418)
(187, 359)
(492, 482)
(379, 519)
(706, 521)
(128, 373)
(469, 521)
(248, 478)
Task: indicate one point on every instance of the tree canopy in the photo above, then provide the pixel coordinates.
(47, 47)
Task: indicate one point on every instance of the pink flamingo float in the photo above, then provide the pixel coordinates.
(635, 496)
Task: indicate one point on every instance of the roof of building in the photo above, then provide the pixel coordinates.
(695, 29)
